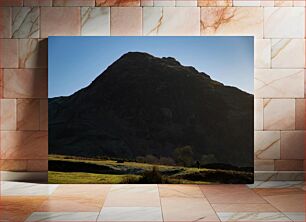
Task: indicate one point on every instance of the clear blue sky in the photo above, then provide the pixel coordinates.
(74, 62)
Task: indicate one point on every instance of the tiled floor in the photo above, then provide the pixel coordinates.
(269, 201)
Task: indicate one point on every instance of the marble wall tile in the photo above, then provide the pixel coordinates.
(221, 3)
(267, 145)
(37, 2)
(289, 165)
(5, 3)
(95, 21)
(146, 2)
(163, 3)
(125, 3)
(8, 53)
(43, 114)
(8, 114)
(25, 83)
(73, 2)
(187, 209)
(28, 114)
(33, 53)
(246, 3)
(292, 145)
(13, 165)
(283, 3)
(121, 26)
(5, 22)
(258, 114)
(262, 54)
(254, 216)
(25, 22)
(299, 3)
(279, 83)
(232, 21)
(267, 3)
(24, 144)
(51, 17)
(130, 214)
(37, 165)
(279, 114)
(283, 50)
(278, 22)
(264, 165)
(159, 21)
(63, 216)
(186, 3)
(1, 83)
(300, 114)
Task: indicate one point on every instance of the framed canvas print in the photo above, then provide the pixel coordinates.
(151, 109)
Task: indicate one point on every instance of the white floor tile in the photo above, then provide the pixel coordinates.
(26, 189)
(252, 216)
(63, 216)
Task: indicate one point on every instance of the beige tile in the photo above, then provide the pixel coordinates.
(124, 3)
(27, 114)
(278, 22)
(212, 3)
(262, 54)
(159, 21)
(24, 144)
(5, 3)
(283, 3)
(92, 191)
(246, 3)
(8, 114)
(8, 53)
(258, 114)
(292, 144)
(25, 22)
(252, 216)
(279, 114)
(285, 199)
(187, 209)
(300, 114)
(264, 165)
(267, 3)
(267, 145)
(283, 50)
(37, 2)
(263, 207)
(186, 3)
(43, 114)
(279, 83)
(133, 196)
(128, 214)
(5, 22)
(52, 16)
(232, 21)
(95, 21)
(183, 191)
(25, 83)
(230, 194)
(163, 3)
(146, 2)
(299, 3)
(1, 83)
(37, 165)
(33, 53)
(122, 26)
(289, 165)
(13, 165)
(73, 2)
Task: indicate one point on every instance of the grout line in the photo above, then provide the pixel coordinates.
(161, 207)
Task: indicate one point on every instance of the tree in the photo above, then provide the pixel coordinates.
(166, 161)
(184, 155)
(208, 158)
(151, 159)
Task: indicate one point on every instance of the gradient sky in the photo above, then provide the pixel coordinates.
(74, 62)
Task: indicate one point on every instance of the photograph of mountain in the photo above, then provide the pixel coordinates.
(151, 110)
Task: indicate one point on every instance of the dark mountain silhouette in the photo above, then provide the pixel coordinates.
(143, 105)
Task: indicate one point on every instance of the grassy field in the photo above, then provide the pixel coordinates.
(65, 169)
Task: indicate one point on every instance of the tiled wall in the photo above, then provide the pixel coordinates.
(279, 28)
